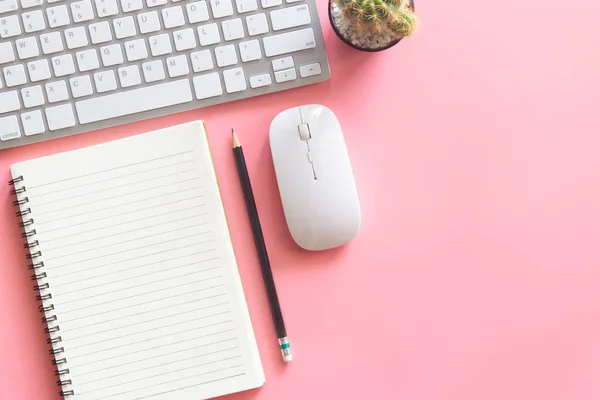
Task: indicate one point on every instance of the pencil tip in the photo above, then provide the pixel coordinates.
(236, 141)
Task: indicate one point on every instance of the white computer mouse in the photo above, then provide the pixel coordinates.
(315, 178)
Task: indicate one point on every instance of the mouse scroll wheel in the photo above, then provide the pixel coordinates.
(304, 131)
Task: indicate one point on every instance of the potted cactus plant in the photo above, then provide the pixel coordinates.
(372, 25)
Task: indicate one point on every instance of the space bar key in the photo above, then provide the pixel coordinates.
(134, 101)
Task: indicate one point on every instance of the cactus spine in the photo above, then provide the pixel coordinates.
(394, 16)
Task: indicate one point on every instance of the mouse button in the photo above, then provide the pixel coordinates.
(330, 158)
(304, 131)
(285, 120)
(285, 138)
(309, 112)
(328, 143)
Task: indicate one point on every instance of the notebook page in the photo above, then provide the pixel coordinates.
(143, 278)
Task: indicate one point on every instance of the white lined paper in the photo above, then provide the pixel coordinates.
(142, 275)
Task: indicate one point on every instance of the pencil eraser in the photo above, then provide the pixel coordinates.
(287, 357)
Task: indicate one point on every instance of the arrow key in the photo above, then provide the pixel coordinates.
(260, 81)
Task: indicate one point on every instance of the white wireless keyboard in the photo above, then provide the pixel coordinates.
(69, 67)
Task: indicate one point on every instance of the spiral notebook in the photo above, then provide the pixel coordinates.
(137, 278)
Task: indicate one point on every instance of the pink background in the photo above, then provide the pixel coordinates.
(476, 272)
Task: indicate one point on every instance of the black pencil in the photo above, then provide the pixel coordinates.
(261, 249)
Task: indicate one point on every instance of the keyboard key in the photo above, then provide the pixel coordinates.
(257, 24)
(233, 29)
(207, 86)
(178, 66)
(27, 48)
(184, 39)
(290, 17)
(100, 32)
(156, 3)
(51, 43)
(197, 11)
(270, 3)
(289, 42)
(87, 60)
(129, 76)
(235, 80)
(33, 21)
(310, 70)
(9, 101)
(282, 63)
(6, 53)
(221, 8)
(226, 55)
(76, 37)
(160, 44)
(58, 16)
(105, 81)
(106, 8)
(246, 5)
(9, 128)
(124, 27)
(260, 81)
(60, 117)
(31, 3)
(173, 17)
(56, 91)
(9, 26)
(7, 6)
(63, 65)
(81, 86)
(209, 34)
(39, 70)
(285, 75)
(136, 50)
(82, 11)
(32, 96)
(149, 22)
(134, 101)
(202, 61)
(250, 51)
(33, 123)
(131, 5)
(111, 55)
(15, 75)
(153, 71)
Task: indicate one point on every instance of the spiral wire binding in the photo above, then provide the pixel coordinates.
(42, 287)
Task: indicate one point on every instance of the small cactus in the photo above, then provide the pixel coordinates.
(394, 16)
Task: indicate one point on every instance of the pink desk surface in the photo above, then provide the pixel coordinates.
(476, 274)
